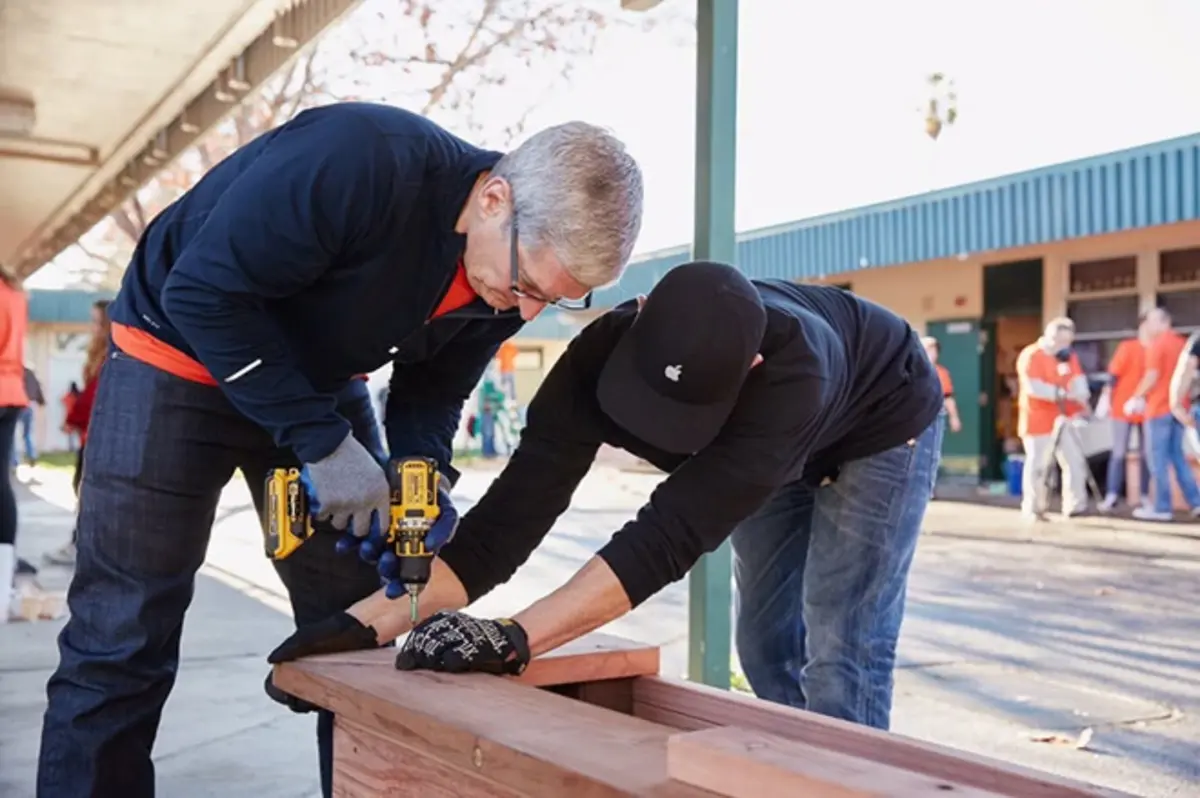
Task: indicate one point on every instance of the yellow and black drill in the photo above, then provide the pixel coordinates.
(288, 522)
(414, 510)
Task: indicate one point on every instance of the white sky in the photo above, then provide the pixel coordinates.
(829, 96)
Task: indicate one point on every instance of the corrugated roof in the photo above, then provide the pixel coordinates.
(1143, 186)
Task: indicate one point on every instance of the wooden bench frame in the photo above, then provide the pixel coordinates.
(594, 719)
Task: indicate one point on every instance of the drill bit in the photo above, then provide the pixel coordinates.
(413, 592)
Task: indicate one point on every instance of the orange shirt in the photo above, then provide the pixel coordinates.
(14, 317)
(507, 357)
(1035, 415)
(944, 379)
(1127, 367)
(145, 347)
(1161, 356)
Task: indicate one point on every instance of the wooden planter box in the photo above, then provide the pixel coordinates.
(594, 719)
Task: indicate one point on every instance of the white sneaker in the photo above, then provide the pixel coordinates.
(1031, 517)
(1147, 513)
(1109, 503)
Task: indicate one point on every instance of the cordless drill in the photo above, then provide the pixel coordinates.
(414, 502)
(287, 520)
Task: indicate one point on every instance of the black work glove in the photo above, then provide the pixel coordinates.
(341, 632)
(454, 642)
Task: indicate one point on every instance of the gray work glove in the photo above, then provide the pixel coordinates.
(349, 488)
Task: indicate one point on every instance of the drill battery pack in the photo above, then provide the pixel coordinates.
(286, 520)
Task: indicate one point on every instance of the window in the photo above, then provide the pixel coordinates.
(1112, 274)
(1110, 317)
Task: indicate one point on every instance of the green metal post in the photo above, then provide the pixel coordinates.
(709, 590)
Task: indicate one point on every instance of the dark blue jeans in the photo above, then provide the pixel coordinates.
(160, 450)
(1166, 455)
(821, 579)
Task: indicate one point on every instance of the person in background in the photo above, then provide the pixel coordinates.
(33, 389)
(1051, 384)
(932, 349)
(506, 363)
(1125, 370)
(1164, 430)
(491, 405)
(80, 414)
(14, 317)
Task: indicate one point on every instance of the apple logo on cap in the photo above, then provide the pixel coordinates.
(673, 373)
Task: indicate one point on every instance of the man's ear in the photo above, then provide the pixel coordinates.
(757, 360)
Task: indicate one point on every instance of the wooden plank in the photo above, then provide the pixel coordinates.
(689, 706)
(529, 741)
(742, 763)
(591, 658)
(370, 765)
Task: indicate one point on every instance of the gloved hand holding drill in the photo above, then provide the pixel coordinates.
(348, 488)
(374, 548)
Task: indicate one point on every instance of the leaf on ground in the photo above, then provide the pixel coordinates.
(1079, 742)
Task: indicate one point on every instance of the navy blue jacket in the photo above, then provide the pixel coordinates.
(318, 252)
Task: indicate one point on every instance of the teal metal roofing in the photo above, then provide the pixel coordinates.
(1140, 187)
(63, 307)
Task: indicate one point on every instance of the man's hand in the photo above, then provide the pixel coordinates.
(454, 642)
(955, 424)
(348, 488)
(1135, 406)
(341, 632)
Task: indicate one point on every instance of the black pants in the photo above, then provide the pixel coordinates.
(8, 499)
(159, 451)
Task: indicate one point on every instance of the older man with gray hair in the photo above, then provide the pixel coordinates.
(352, 236)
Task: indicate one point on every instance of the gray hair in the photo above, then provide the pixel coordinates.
(577, 191)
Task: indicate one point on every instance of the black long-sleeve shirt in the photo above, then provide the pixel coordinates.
(841, 379)
(315, 253)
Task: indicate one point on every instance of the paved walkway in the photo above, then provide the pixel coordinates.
(1016, 638)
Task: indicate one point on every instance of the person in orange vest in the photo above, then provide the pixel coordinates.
(932, 348)
(1052, 385)
(1163, 429)
(1125, 370)
(506, 365)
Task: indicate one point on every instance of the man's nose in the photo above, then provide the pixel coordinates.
(530, 308)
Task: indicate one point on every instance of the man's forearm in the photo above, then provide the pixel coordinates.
(245, 352)
(1145, 384)
(591, 598)
(391, 617)
(1181, 381)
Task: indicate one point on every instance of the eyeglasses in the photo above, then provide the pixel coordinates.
(562, 303)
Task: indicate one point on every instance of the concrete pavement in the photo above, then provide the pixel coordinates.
(1017, 640)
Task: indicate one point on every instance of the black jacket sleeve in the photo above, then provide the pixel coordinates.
(558, 446)
(699, 505)
(425, 399)
(313, 195)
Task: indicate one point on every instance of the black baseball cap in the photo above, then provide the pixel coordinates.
(674, 377)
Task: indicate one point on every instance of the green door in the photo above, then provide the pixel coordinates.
(960, 345)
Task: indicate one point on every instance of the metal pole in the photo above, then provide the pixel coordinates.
(709, 584)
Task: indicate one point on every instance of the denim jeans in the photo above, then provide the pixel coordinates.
(1166, 454)
(821, 578)
(160, 450)
(25, 424)
(1115, 482)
